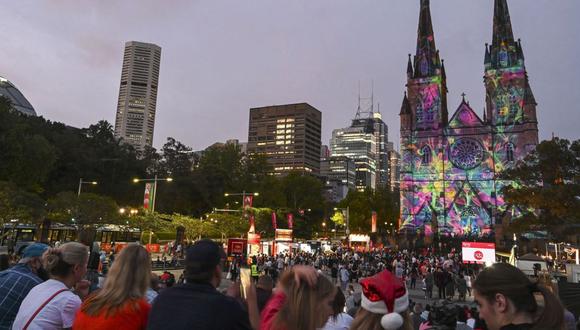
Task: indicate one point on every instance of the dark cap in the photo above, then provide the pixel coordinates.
(203, 256)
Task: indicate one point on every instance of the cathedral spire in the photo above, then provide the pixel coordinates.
(504, 50)
(409, 68)
(502, 25)
(426, 57)
(405, 107)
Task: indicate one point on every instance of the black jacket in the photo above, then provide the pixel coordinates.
(196, 306)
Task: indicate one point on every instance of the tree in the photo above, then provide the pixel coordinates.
(84, 210)
(18, 204)
(544, 189)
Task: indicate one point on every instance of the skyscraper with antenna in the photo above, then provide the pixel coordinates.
(365, 141)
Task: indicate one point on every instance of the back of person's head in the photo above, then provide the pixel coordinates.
(60, 261)
(201, 260)
(127, 281)
(338, 303)
(461, 316)
(516, 287)
(302, 308)
(265, 282)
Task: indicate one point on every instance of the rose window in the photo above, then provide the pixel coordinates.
(466, 153)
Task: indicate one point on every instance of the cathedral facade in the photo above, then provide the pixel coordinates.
(451, 165)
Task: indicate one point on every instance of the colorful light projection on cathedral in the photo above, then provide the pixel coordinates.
(508, 94)
(428, 104)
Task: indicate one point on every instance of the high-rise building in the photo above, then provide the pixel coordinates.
(135, 120)
(451, 167)
(365, 142)
(289, 135)
(19, 102)
(394, 167)
(339, 174)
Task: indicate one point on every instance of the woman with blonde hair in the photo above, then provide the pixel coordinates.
(303, 301)
(52, 304)
(122, 299)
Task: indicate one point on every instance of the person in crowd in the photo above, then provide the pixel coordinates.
(416, 316)
(385, 304)
(440, 281)
(264, 290)
(16, 282)
(344, 277)
(4, 261)
(122, 300)
(334, 272)
(461, 320)
(52, 304)
(153, 289)
(468, 279)
(429, 281)
(545, 279)
(303, 301)
(339, 320)
(198, 304)
(449, 284)
(461, 287)
(506, 300)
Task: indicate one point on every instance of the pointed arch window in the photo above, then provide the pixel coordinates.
(426, 155)
(509, 152)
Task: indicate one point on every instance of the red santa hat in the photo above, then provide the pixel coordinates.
(385, 294)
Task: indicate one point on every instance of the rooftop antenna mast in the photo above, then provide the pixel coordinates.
(366, 105)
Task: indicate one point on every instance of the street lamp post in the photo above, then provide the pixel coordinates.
(243, 194)
(81, 182)
(154, 180)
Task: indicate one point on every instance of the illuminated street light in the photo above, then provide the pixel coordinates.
(122, 210)
(81, 182)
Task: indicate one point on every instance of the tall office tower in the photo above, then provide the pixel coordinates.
(137, 103)
(394, 167)
(340, 175)
(289, 135)
(365, 142)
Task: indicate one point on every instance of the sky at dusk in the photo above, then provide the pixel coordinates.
(221, 57)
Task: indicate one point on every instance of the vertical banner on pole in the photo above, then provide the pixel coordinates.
(147, 197)
(290, 218)
(248, 201)
(252, 224)
(373, 222)
(274, 224)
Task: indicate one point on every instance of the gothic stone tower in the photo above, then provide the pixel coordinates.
(450, 167)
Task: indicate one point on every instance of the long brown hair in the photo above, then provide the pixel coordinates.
(300, 310)
(511, 282)
(127, 281)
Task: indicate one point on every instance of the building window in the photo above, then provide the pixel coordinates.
(509, 152)
(426, 155)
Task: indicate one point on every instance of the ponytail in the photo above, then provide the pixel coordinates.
(552, 313)
(60, 261)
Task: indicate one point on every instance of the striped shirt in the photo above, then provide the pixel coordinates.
(15, 283)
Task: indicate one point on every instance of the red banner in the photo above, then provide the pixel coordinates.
(373, 222)
(147, 197)
(274, 223)
(301, 211)
(248, 199)
(290, 218)
(252, 224)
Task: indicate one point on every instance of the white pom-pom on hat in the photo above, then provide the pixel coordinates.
(392, 321)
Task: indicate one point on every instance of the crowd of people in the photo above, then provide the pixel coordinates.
(47, 289)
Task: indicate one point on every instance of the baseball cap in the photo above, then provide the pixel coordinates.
(34, 250)
(203, 256)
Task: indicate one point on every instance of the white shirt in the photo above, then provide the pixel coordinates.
(344, 275)
(57, 314)
(342, 322)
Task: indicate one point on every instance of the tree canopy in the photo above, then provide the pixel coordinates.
(545, 189)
